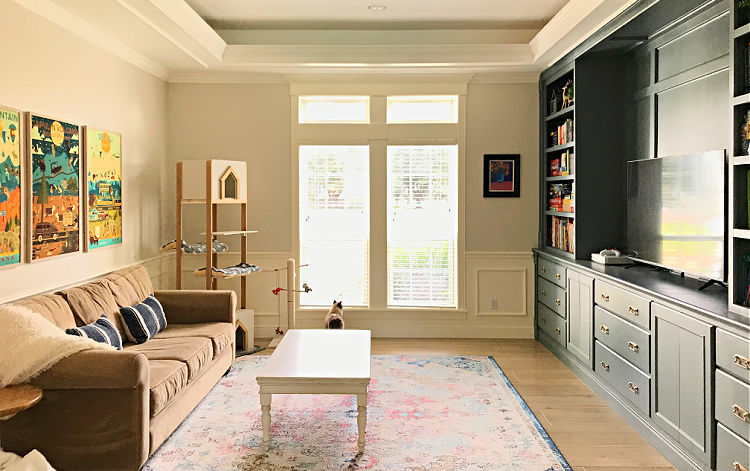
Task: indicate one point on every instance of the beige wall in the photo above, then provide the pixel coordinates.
(252, 122)
(46, 69)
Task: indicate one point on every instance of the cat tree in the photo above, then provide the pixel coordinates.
(212, 183)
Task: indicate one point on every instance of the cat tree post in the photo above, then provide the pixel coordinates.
(291, 295)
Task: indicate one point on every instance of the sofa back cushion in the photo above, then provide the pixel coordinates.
(88, 302)
(52, 307)
(130, 286)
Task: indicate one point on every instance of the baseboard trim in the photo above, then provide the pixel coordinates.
(671, 451)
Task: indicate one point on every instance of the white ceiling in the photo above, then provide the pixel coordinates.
(404, 13)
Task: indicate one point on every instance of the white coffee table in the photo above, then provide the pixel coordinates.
(315, 361)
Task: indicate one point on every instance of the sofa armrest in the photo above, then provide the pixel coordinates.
(195, 306)
(96, 369)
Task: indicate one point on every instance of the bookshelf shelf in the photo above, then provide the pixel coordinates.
(741, 160)
(741, 31)
(560, 178)
(569, 145)
(741, 99)
(741, 233)
(561, 113)
(560, 214)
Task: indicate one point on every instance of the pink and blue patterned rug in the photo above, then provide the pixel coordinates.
(425, 412)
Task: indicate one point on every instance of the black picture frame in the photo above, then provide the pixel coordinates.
(496, 183)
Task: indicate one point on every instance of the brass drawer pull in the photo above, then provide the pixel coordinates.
(543, 269)
(740, 413)
(738, 467)
(557, 276)
(633, 310)
(557, 329)
(604, 329)
(557, 301)
(605, 366)
(544, 293)
(633, 346)
(742, 362)
(543, 321)
(633, 388)
(605, 297)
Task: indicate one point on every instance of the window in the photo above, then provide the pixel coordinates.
(334, 221)
(422, 109)
(334, 109)
(422, 225)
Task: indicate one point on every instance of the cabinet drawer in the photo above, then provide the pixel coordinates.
(631, 383)
(551, 271)
(733, 404)
(551, 295)
(628, 305)
(733, 354)
(630, 342)
(551, 323)
(732, 452)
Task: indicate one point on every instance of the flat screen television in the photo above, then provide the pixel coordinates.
(676, 213)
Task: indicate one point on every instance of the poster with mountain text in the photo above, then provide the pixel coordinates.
(55, 187)
(10, 187)
(104, 180)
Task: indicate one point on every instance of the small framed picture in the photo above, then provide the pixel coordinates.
(502, 174)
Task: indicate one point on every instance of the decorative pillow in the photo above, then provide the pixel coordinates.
(102, 330)
(144, 320)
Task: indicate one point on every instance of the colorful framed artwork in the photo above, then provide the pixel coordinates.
(10, 186)
(104, 187)
(502, 174)
(54, 201)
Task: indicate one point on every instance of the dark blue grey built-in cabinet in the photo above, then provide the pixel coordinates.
(682, 379)
(580, 315)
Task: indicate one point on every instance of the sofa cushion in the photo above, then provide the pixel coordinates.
(102, 330)
(130, 285)
(88, 302)
(166, 379)
(220, 333)
(52, 307)
(196, 352)
(144, 320)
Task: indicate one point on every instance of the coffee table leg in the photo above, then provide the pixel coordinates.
(265, 407)
(361, 420)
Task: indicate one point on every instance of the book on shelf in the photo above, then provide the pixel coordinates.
(563, 134)
(558, 193)
(561, 166)
(562, 234)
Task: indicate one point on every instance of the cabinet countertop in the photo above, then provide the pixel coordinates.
(664, 285)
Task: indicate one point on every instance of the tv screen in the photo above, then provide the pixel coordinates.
(676, 213)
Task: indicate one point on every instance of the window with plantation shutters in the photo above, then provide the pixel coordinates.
(334, 223)
(422, 225)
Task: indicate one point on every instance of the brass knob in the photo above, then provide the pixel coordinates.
(543, 270)
(557, 329)
(740, 413)
(633, 310)
(604, 329)
(557, 301)
(557, 276)
(633, 387)
(605, 366)
(544, 293)
(543, 320)
(742, 362)
(605, 297)
(738, 467)
(633, 346)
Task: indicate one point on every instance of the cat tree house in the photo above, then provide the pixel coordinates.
(212, 183)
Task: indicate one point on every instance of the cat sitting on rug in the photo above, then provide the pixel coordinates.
(335, 317)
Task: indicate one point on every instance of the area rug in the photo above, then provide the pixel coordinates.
(425, 412)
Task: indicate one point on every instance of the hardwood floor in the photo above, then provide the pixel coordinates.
(590, 435)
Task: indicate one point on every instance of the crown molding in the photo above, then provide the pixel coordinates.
(530, 76)
(87, 31)
(219, 76)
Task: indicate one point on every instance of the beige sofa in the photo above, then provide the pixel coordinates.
(110, 410)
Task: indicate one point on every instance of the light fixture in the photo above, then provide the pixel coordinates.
(376, 7)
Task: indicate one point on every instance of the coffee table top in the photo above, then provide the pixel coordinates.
(320, 354)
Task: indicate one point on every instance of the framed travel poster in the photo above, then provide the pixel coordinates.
(502, 175)
(104, 187)
(54, 199)
(10, 186)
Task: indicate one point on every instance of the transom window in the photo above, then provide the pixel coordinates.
(334, 109)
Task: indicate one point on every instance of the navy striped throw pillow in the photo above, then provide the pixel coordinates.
(102, 330)
(143, 320)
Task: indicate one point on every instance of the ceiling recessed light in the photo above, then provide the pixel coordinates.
(376, 7)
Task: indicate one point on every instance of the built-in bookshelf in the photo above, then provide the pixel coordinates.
(558, 162)
(739, 174)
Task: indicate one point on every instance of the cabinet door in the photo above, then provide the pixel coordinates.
(580, 315)
(682, 381)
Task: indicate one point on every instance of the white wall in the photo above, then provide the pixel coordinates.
(48, 70)
(252, 122)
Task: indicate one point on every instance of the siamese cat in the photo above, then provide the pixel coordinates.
(335, 317)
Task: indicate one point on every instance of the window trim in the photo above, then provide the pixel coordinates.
(379, 135)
